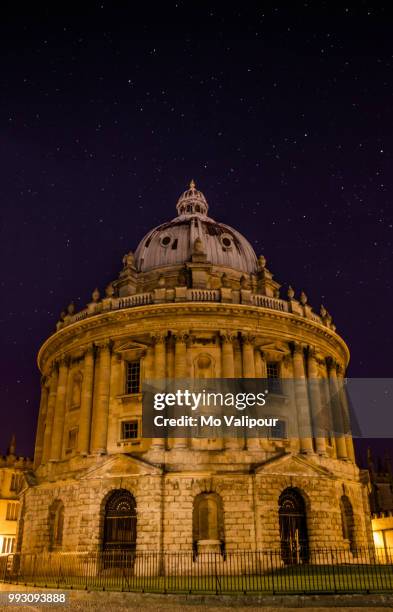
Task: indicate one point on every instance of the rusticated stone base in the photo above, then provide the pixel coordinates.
(165, 501)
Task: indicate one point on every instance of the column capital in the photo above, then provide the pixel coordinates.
(248, 338)
(89, 350)
(227, 337)
(181, 336)
(102, 345)
(297, 348)
(340, 369)
(331, 363)
(44, 380)
(64, 361)
(159, 337)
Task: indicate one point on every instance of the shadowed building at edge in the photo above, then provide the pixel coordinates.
(193, 301)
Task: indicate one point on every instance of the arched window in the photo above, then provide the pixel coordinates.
(347, 521)
(120, 521)
(293, 527)
(208, 523)
(56, 525)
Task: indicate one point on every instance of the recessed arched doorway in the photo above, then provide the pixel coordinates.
(293, 527)
(120, 522)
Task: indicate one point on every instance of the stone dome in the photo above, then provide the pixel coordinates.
(172, 243)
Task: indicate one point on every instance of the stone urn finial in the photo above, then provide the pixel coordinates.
(110, 290)
(129, 260)
(262, 262)
(161, 281)
(225, 282)
(71, 308)
(323, 311)
(303, 298)
(63, 314)
(291, 293)
(12, 446)
(95, 296)
(244, 284)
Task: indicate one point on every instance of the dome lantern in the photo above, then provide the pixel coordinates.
(192, 202)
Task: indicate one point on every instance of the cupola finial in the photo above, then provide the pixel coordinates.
(192, 201)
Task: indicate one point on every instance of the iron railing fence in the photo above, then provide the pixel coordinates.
(363, 570)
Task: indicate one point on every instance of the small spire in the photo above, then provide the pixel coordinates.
(12, 446)
(192, 184)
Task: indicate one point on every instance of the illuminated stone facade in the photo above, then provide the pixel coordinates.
(194, 301)
(15, 473)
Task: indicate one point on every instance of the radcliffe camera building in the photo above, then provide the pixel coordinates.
(192, 301)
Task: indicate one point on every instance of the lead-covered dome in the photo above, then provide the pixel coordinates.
(172, 243)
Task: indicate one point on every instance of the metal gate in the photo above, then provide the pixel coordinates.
(120, 522)
(293, 528)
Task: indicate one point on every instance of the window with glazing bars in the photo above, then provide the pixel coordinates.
(129, 430)
(133, 373)
(12, 512)
(273, 377)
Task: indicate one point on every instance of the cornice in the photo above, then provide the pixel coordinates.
(254, 316)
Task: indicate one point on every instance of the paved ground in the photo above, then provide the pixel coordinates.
(108, 602)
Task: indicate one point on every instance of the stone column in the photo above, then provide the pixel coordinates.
(346, 416)
(338, 424)
(248, 361)
(170, 357)
(228, 362)
(53, 380)
(318, 417)
(100, 418)
(39, 442)
(58, 418)
(86, 402)
(258, 363)
(180, 372)
(302, 407)
(159, 366)
(228, 371)
(248, 356)
(160, 356)
(263, 364)
(67, 404)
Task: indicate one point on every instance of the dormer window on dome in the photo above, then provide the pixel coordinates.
(192, 202)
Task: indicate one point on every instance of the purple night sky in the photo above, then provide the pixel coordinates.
(283, 116)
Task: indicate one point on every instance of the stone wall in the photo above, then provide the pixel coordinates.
(164, 504)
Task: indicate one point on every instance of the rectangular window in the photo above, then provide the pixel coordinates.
(133, 373)
(273, 377)
(13, 483)
(8, 545)
(72, 439)
(279, 432)
(129, 430)
(12, 512)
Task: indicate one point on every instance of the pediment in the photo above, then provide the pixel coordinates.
(130, 345)
(119, 466)
(293, 465)
(273, 347)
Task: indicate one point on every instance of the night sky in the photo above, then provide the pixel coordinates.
(283, 116)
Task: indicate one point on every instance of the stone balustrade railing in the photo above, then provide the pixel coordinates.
(184, 294)
(269, 302)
